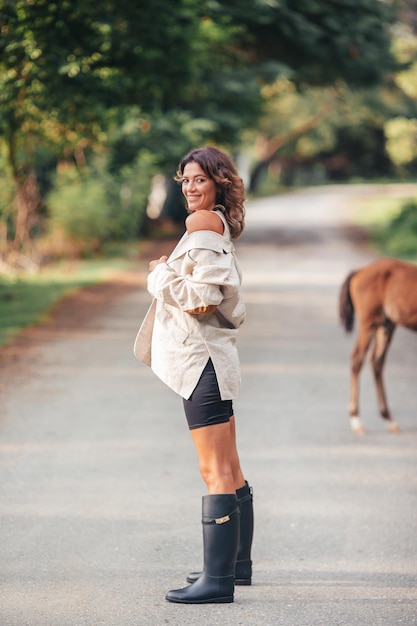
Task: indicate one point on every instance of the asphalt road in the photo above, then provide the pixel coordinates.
(100, 491)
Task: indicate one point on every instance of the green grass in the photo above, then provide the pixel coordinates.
(377, 212)
(27, 299)
(391, 224)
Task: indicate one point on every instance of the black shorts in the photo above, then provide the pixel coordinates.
(205, 406)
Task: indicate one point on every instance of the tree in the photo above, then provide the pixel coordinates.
(74, 75)
(65, 70)
(318, 41)
(242, 46)
(329, 51)
(400, 130)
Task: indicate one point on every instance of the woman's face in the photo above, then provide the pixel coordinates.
(199, 190)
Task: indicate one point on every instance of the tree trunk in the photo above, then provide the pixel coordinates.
(271, 147)
(27, 203)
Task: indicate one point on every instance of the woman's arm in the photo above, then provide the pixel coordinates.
(204, 273)
(198, 290)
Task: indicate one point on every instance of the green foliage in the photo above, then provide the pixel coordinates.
(400, 129)
(79, 208)
(76, 54)
(399, 237)
(321, 41)
(392, 225)
(127, 192)
(7, 190)
(93, 206)
(66, 67)
(401, 134)
(125, 78)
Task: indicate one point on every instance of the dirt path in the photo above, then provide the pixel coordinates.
(100, 491)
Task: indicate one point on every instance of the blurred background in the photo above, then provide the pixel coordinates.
(100, 100)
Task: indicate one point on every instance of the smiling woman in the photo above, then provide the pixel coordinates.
(230, 192)
(188, 338)
(198, 189)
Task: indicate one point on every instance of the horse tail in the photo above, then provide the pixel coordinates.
(346, 309)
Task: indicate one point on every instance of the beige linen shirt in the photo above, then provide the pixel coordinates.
(201, 273)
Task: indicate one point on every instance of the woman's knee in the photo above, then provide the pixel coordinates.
(214, 474)
(214, 454)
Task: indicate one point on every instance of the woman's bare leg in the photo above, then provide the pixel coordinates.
(220, 468)
(215, 445)
(238, 477)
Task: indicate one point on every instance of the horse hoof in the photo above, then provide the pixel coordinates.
(393, 427)
(357, 427)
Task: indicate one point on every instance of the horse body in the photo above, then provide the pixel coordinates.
(383, 295)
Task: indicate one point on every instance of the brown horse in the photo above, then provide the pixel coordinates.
(383, 295)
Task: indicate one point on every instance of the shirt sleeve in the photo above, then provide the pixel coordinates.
(200, 289)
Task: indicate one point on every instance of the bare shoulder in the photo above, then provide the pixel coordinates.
(204, 220)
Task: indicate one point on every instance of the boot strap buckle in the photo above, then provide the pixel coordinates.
(222, 520)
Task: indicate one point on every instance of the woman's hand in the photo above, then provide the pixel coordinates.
(153, 264)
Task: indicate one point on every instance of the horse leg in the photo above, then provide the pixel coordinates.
(356, 361)
(383, 338)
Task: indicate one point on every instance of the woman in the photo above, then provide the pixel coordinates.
(188, 338)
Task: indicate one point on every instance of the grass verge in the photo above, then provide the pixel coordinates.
(391, 224)
(28, 299)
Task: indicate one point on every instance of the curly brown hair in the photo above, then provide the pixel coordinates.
(230, 188)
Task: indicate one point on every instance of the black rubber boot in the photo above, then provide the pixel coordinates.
(220, 543)
(243, 570)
